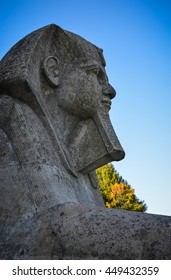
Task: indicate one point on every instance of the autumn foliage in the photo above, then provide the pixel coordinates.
(116, 192)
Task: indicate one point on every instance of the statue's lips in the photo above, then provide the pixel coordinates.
(106, 101)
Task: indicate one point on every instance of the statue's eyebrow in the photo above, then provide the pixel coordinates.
(91, 65)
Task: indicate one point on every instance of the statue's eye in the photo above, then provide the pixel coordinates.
(101, 76)
(98, 71)
(95, 70)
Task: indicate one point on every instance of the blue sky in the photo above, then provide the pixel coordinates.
(136, 38)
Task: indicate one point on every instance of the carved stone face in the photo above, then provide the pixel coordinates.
(84, 95)
(85, 90)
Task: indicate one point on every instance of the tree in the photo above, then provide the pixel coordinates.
(116, 192)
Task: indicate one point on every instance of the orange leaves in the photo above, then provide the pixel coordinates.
(116, 192)
(117, 188)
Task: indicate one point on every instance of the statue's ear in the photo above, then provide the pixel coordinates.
(51, 70)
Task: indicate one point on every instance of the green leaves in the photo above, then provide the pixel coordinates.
(116, 192)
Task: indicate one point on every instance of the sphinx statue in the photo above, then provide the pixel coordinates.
(55, 131)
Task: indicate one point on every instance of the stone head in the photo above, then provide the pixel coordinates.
(53, 70)
(51, 59)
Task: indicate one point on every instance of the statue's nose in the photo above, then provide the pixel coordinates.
(109, 91)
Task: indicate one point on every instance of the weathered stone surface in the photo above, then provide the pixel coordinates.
(55, 131)
(72, 231)
(95, 233)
